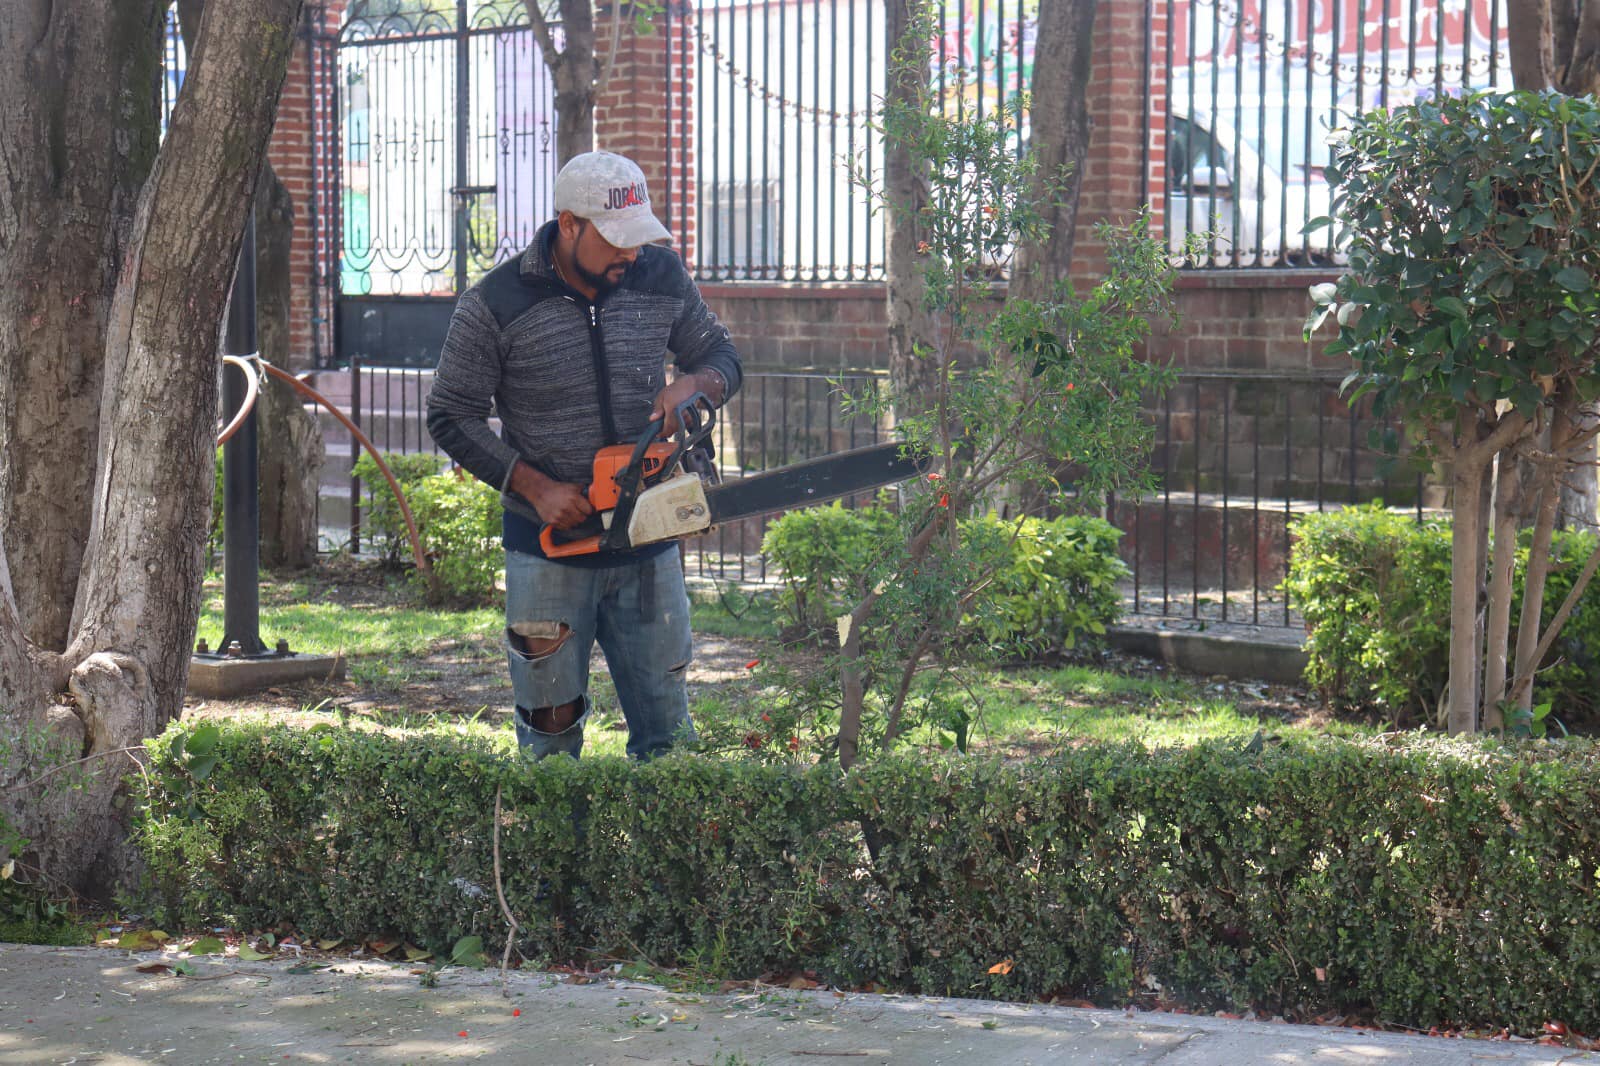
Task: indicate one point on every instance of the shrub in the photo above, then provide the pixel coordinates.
(1059, 586)
(1426, 882)
(459, 519)
(1374, 588)
(1055, 579)
(824, 553)
(381, 520)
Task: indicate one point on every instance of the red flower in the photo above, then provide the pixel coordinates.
(753, 740)
(752, 664)
(1070, 386)
(517, 1012)
(766, 717)
(463, 1033)
(944, 501)
(935, 477)
(794, 743)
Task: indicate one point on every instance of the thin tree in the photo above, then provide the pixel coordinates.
(1555, 44)
(577, 68)
(117, 247)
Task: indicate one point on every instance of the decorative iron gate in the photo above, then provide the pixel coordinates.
(446, 141)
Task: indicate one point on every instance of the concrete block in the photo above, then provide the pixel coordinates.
(212, 677)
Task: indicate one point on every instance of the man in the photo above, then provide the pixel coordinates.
(569, 341)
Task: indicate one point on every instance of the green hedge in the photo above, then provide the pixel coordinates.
(1374, 588)
(1420, 883)
(1055, 580)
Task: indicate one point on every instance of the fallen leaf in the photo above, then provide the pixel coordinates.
(801, 981)
(416, 954)
(1002, 967)
(303, 968)
(380, 946)
(153, 967)
(250, 954)
(328, 945)
(207, 945)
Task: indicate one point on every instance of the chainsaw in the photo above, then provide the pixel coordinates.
(661, 488)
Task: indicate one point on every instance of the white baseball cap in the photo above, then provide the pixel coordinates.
(608, 189)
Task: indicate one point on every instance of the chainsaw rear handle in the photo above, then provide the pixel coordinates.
(612, 491)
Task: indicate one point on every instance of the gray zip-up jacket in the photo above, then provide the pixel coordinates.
(566, 377)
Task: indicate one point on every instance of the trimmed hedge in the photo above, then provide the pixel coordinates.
(1421, 883)
(1374, 588)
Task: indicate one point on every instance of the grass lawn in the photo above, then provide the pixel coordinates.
(413, 666)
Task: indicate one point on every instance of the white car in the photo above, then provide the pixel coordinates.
(1247, 182)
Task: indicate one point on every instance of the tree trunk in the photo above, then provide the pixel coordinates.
(1508, 494)
(913, 363)
(1555, 44)
(1466, 577)
(70, 185)
(574, 70)
(135, 599)
(1060, 128)
(291, 438)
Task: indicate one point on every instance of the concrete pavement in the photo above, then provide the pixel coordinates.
(93, 1005)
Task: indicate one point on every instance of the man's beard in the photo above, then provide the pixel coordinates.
(598, 282)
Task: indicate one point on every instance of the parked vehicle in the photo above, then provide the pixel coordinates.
(1248, 179)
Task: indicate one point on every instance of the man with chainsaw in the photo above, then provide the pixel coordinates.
(567, 345)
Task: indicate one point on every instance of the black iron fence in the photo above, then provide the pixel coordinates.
(777, 139)
(1238, 458)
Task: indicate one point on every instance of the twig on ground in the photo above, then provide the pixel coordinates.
(505, 909)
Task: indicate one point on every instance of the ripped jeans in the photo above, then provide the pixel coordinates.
(638, 611)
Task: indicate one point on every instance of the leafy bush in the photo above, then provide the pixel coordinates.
(825, 553)
(1427, 882)
(1374, 588)
(382, 522)
(1059, 586)
(457, 517)
(459, 521)
(1055, 579)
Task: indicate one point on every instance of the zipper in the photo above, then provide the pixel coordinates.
(602, 373)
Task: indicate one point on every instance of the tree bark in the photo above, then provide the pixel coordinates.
(1508, 493)
(135, 598)
(914, 370)
(1060, 128)
(1555, 44)
(1466, 574)
(574, 69)
(71, 184)
(291, 439)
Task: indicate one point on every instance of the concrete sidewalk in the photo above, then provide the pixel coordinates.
(91, 1005)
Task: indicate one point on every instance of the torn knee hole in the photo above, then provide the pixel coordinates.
(539, 640)
(555, 719)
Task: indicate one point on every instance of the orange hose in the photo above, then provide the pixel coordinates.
(405, 509)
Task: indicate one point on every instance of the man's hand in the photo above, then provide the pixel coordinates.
(559, 503)
(666, 405)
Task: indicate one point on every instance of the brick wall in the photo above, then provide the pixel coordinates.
(307, 106)
(641, 103)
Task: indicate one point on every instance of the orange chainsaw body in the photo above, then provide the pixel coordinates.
(613, 460)
(604, 492)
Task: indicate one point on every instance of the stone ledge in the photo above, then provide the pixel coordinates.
(213, 678)
(1206, 653)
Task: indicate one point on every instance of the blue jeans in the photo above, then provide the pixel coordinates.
(638, 611)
